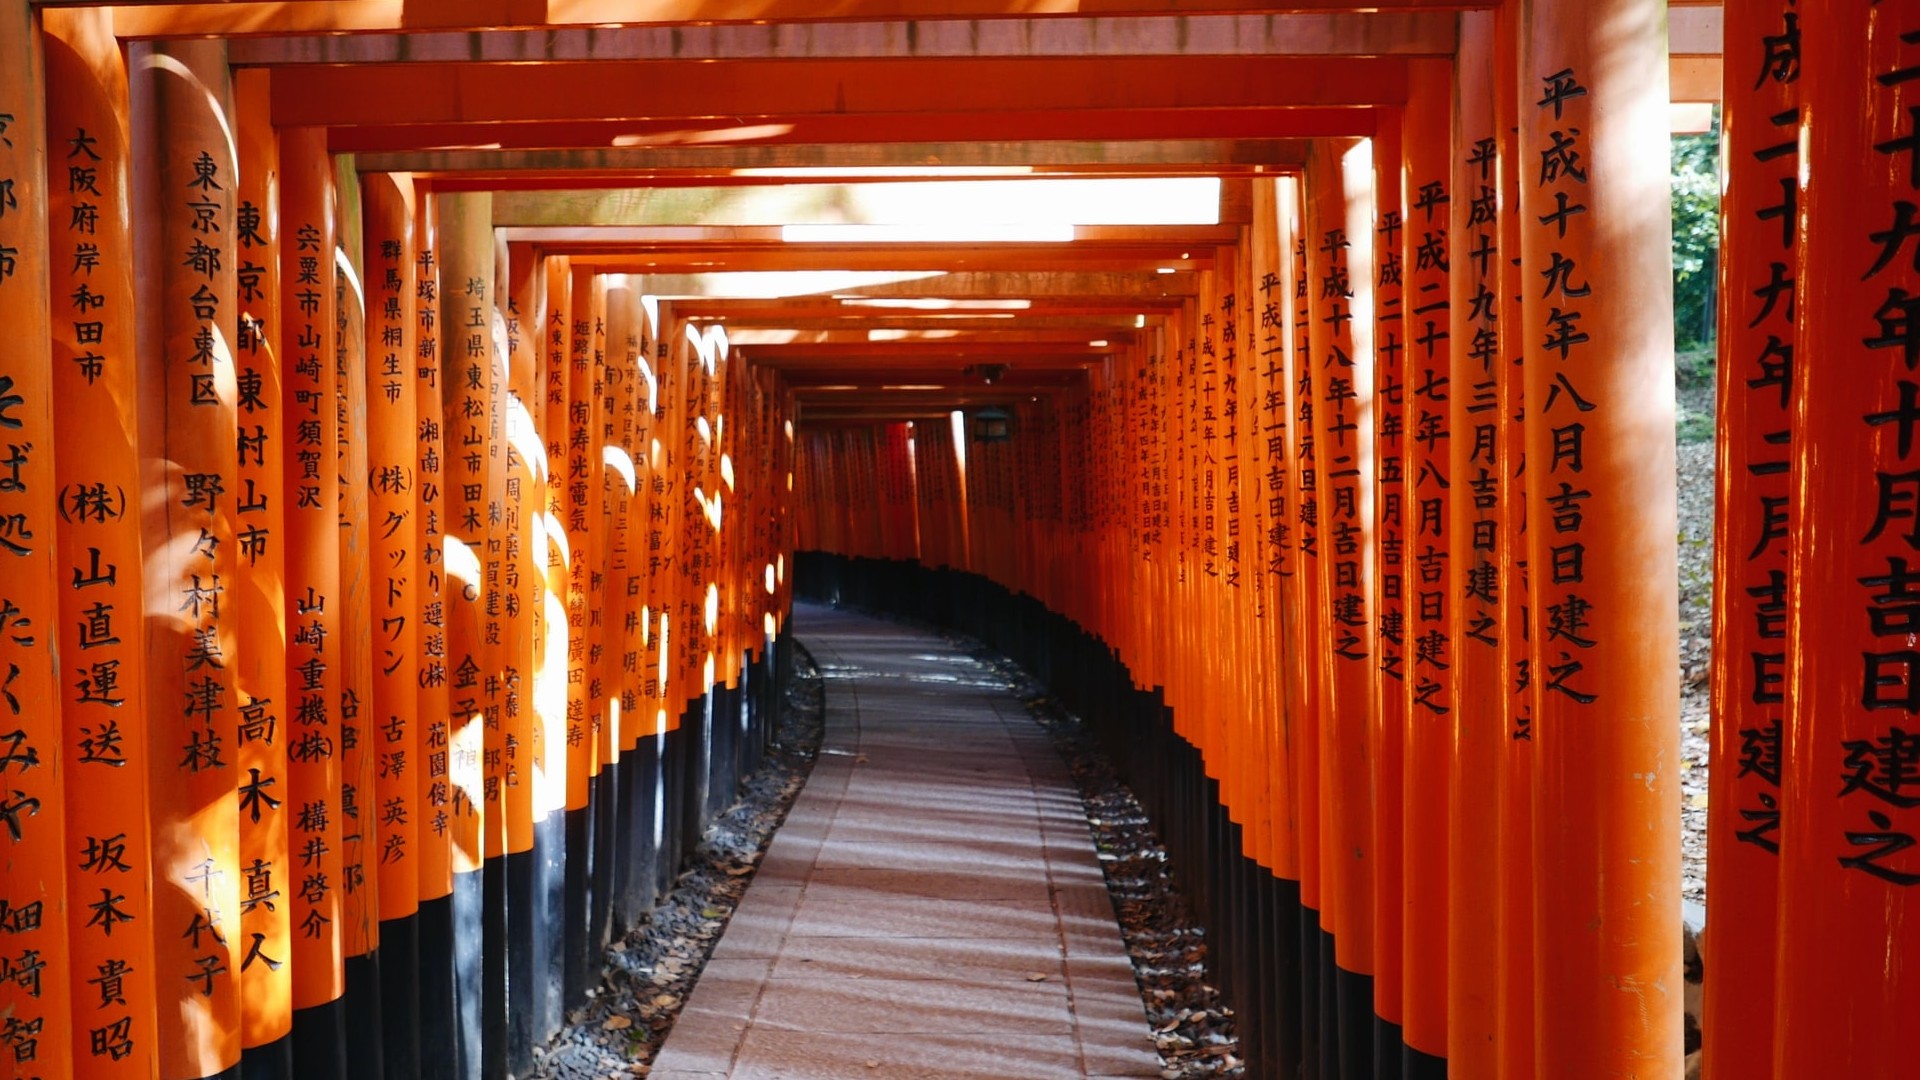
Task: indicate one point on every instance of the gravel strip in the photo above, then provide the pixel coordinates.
(1695, 467)
(648, 974)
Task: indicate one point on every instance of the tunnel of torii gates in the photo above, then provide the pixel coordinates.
(397, 533)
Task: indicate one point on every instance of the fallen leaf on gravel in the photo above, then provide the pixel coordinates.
(665, 1001)
(739, 871)
(616, 1023)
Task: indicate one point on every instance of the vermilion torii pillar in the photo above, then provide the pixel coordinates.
(393, 480)
(1340, 290)
(97, 468)
(1390, 587)
(468, 385)
(265, 925)
(312, 487)
(1476, 595)
(1848, 880)
(1753, 502)
(185, 228)
(1597, 328)
(1429, 529)
(37, 1021)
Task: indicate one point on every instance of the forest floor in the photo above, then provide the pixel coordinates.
(1695, 463)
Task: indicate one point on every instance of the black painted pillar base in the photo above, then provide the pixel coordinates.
(365, 1018)
(320, 1042)
(1387, 1049)
(547, 913)
(602, 805)
(577, 973)
(469, 913)
(493, 969)
(400, 996)
(1419, 1066)
(439, 1034)
(268, 1061)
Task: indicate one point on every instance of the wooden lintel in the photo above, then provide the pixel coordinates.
(1398, 33)
(796, 343)
(1060, 286)
(379, 94)
(763, 128)
(278, 17)
(845, 161)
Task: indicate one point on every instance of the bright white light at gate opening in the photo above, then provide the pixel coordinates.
(1097, 343)
(961, 233)
(1139, 322)
(1039, 210)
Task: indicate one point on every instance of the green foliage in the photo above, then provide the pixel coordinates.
(1696, 238)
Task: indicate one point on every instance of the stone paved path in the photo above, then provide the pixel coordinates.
(932, 909)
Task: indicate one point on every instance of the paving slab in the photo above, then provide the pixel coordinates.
(933, 909)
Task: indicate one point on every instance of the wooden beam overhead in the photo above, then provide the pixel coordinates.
(1060, 286)
(381, 94)
(777, 311)
(841, 162)
(764, 128)
(284, 17)
(1090, 326)
(1400, 33)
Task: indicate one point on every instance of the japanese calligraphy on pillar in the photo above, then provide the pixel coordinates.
(1338, 386)
(1427, 527)
(1390, 388)
(1595, 332)
(36, 975)
(1753, 501)
(103, 710)
(433, 834)
(192, 704)
(582, 508)
(1560, 179)
(261, 666)
(311, 732)
(523, 575)
(1848, 862)
(358, 829)
(1429, 426)
(1478, 455)
(393, 470)
(551, 681)
(467, 386)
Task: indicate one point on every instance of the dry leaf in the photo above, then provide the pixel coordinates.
(665, 1001)
(616, 1023)
(873, 1063)
(1036, 976)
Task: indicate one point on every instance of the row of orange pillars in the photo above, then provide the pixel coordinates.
(384, 609)
(1365, 564)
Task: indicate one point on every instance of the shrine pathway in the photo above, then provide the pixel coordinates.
(932, 909)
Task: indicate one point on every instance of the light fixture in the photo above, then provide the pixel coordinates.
(992, 425)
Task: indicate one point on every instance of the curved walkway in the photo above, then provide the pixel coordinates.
(932, 909)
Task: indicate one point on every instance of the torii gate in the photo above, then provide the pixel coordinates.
(366, 534)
